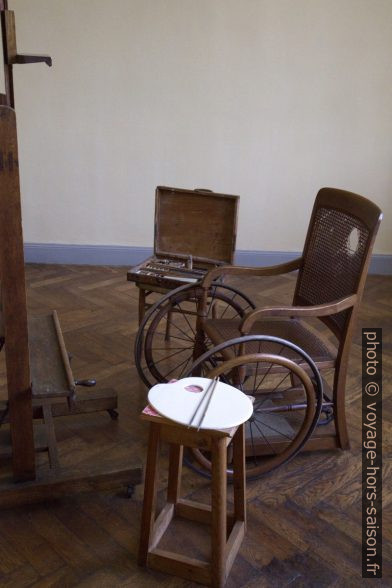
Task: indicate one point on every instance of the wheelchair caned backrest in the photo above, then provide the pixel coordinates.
(337, 251)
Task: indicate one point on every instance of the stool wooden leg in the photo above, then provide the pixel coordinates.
(219, 522)
(175, 471)
(150, 493)
(239, 474)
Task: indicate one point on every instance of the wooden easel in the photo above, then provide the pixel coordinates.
(40, 383)
(12, 264)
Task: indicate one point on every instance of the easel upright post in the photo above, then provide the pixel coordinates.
(14, 304)
(8, 98)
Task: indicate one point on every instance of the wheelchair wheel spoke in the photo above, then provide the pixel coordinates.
(159, 333)
(185, 366)
(272, 428)
(257, 367)
(171, 355)
(172, 348)
(175, 368)
(252, 441)
(264, 437)
(228, 306)
(267, 373)
(188, 337)
(187, 320)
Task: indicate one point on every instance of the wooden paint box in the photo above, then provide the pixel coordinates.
(194, 231)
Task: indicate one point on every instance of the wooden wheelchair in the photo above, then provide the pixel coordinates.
(274, 354)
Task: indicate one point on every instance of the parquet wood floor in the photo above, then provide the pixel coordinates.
(304, 519)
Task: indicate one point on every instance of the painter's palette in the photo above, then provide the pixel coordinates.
(178, 400)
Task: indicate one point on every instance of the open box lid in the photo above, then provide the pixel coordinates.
(200, 223)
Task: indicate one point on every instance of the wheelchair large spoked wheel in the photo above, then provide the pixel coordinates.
(164, 345)
(287, 391)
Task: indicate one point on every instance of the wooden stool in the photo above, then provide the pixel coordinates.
(227, 530)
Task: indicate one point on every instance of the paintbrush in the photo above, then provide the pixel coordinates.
(212, 383)
(216, 380)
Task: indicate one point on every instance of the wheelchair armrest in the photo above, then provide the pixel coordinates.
(318, 310)
(271, 270)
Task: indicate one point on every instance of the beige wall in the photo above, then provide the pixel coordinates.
(269, 99)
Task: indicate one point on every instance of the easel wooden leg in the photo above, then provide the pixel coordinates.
(51, 435)
(21, 423)
(150, 493)
(219, 521)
